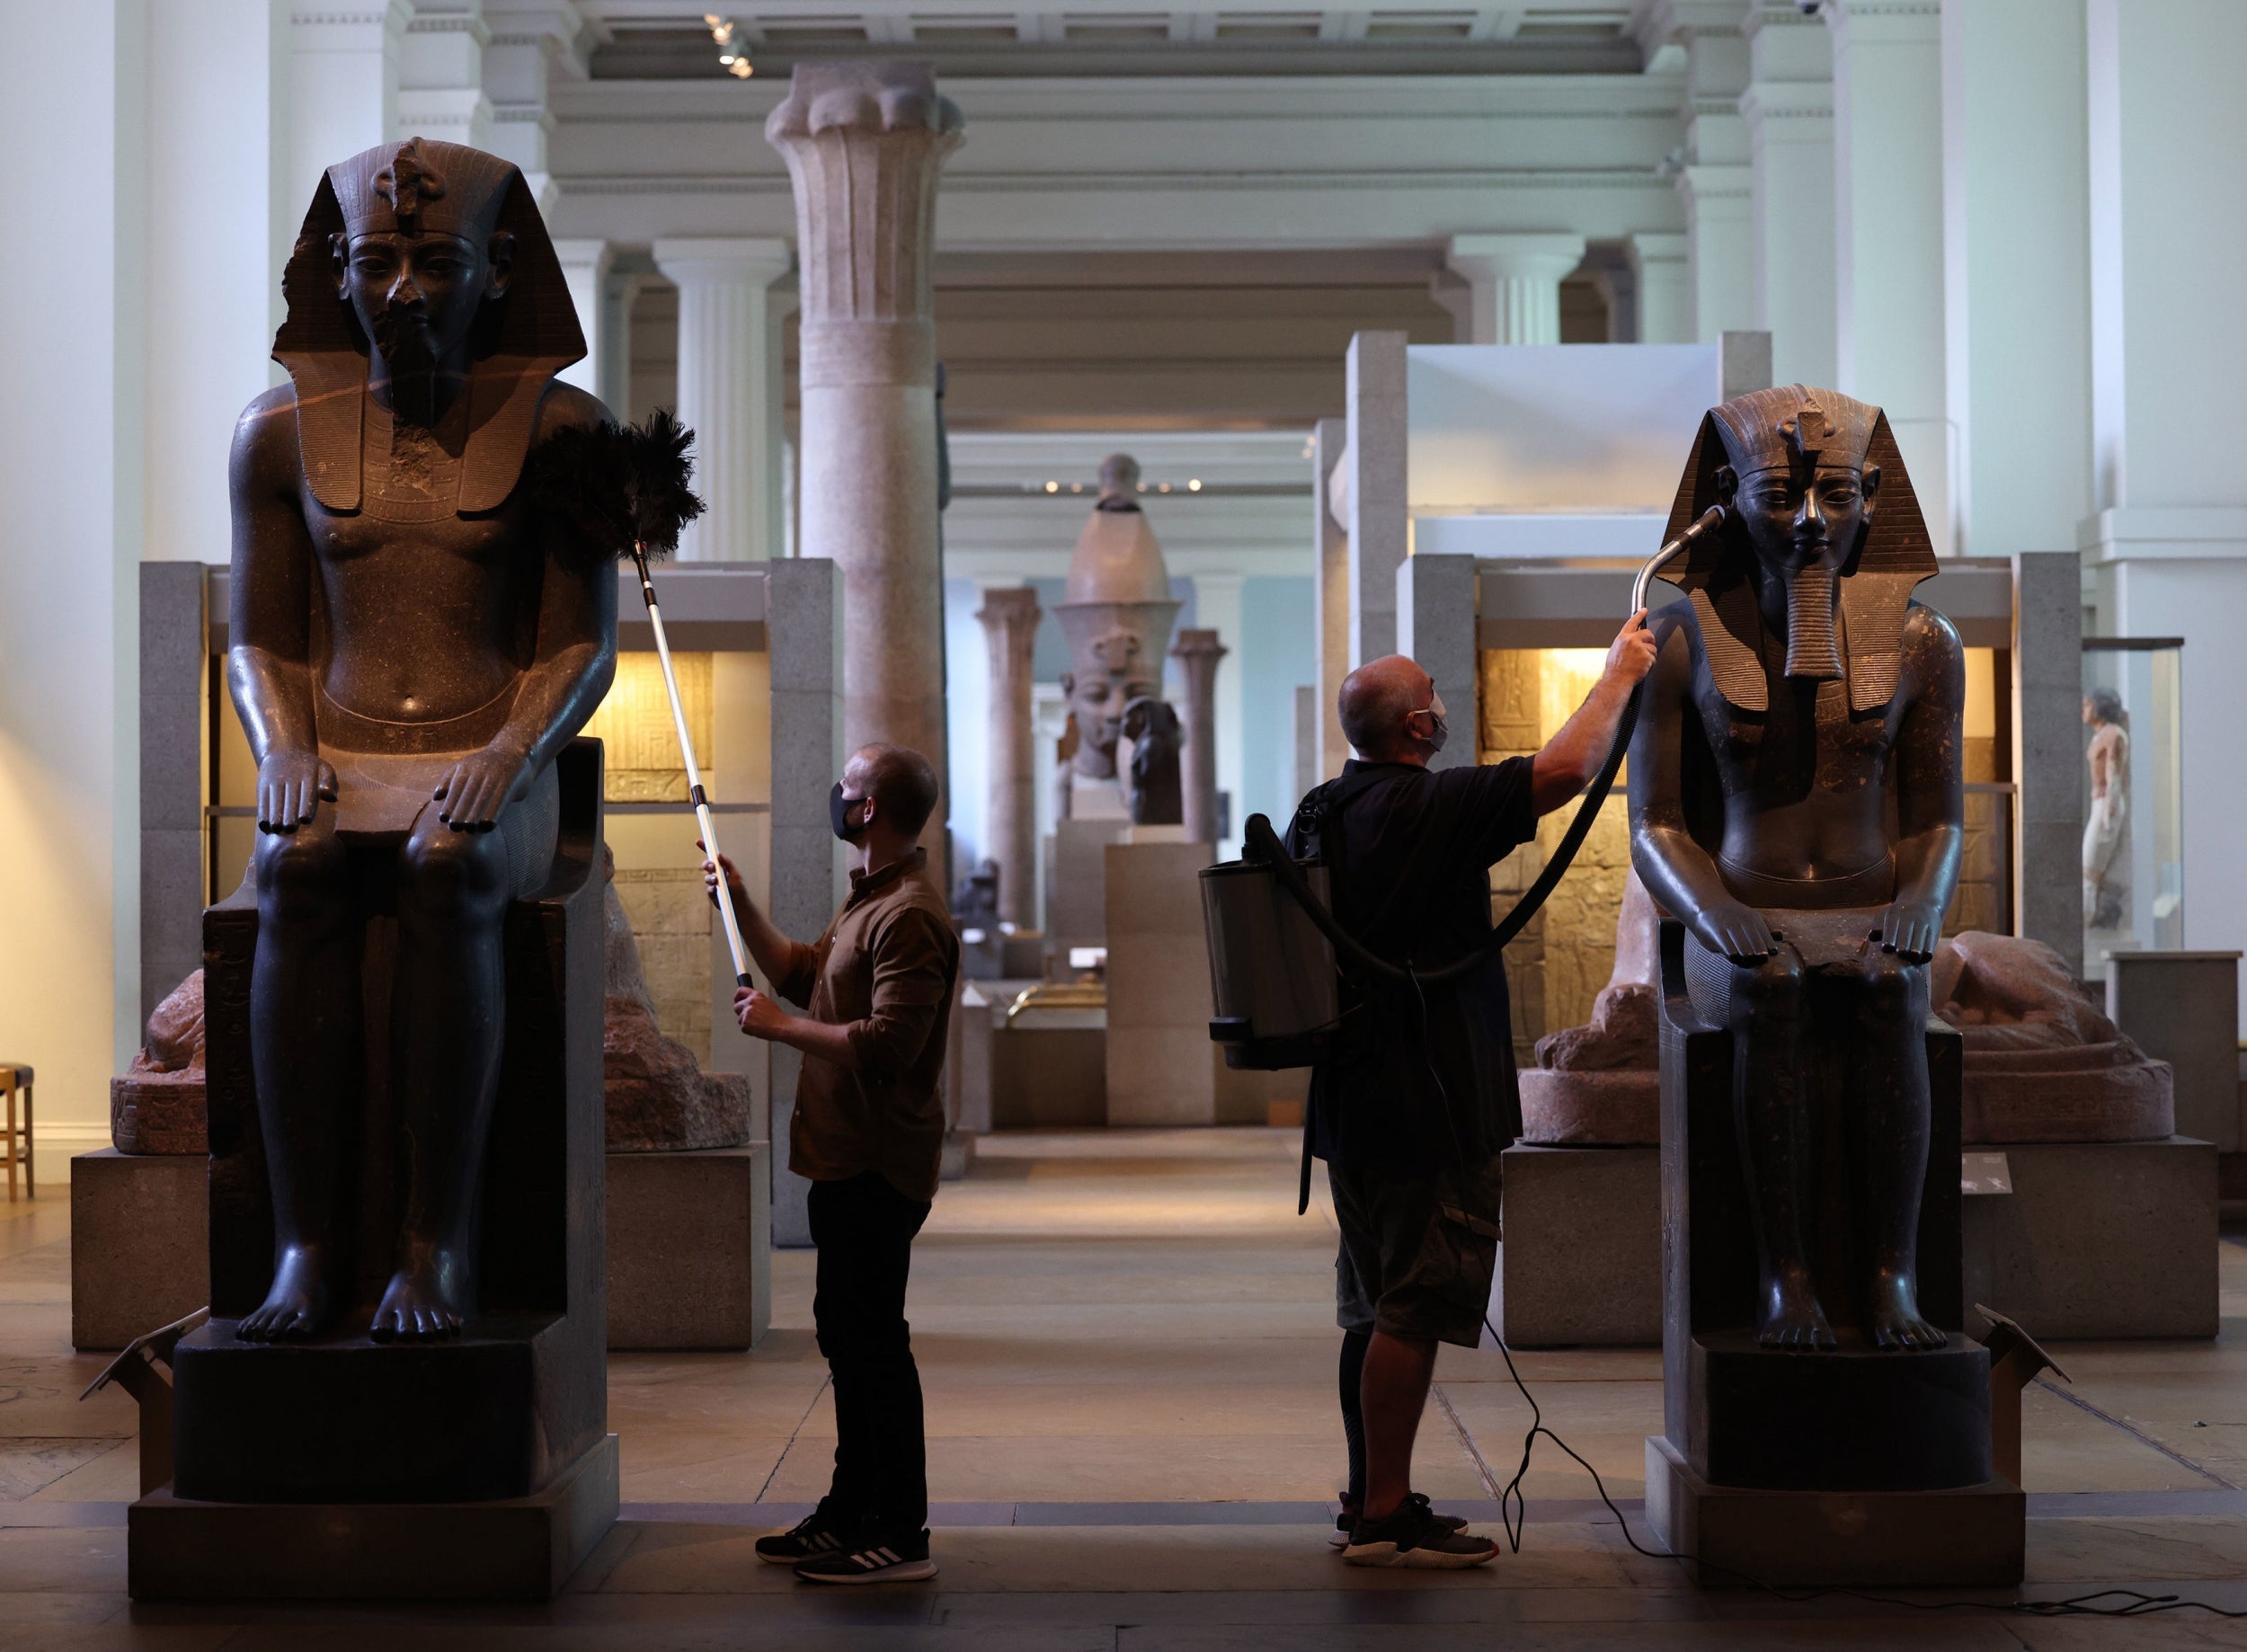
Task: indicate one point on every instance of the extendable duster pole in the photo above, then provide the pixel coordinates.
(687, 749)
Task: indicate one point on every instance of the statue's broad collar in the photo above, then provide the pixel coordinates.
(527, 337)
(1893, 555)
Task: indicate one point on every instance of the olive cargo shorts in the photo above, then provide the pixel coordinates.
(1406, 1269)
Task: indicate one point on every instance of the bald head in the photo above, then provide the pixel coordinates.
(1377, 701)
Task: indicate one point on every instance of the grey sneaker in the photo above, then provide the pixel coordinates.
(1416, 1536)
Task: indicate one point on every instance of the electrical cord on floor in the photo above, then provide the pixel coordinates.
(1514, 1502)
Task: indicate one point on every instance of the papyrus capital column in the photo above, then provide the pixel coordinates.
(1197, 653)
(864, 143)
(1010, 628)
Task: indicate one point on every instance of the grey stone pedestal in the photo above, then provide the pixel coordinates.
(690, 1249)
(521, 1549)
(2100, 1240)
(1972, 1538)
(1581, 1265)
(139, 1244)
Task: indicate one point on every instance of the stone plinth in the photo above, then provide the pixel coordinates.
(139, 1244)
(1975, 1537)
(521, 1549)
(1162, 1067)
(2100, 1240)
(863, 143)
(711, 1211)
(2183, 1008)
(1581, 1263)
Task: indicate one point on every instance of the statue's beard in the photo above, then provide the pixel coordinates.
(1813, 651)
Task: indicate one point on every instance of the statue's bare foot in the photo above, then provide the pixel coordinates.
(1895, 1322)
(423, 1303)
(1791, 1319)
(296, 1307)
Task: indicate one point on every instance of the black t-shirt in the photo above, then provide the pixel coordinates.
(1411, 851)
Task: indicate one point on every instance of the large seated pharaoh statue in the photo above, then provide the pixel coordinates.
(410, 652)
(1797, 803)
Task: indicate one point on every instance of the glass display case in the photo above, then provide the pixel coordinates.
(2133, 859)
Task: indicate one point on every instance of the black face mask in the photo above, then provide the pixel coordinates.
(838, 809)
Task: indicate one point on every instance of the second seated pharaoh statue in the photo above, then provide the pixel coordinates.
(410, 649)
(1797, 803)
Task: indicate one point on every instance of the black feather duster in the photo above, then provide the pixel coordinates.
(596, 489)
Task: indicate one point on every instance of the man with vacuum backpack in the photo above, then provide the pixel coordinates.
(869, 1132)
(1416, 1097)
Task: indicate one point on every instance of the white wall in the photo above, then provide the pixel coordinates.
(215, 256)
(71, 474)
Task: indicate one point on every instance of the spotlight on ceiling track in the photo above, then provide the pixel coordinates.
(733, 46)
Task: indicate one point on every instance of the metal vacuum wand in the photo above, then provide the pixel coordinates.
(687, 749)
(1711, 518)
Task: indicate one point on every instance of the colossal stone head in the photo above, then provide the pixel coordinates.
(1799, 471)
(1117, 613)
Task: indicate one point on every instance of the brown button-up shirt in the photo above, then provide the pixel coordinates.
(884, 971)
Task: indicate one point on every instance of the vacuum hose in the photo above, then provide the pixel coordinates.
(1264, 843)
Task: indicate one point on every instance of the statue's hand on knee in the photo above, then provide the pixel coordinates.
(1910, 929)
(479, 785)
(1734, 929)
(290, 787)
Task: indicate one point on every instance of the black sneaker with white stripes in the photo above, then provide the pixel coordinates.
(819, 1532)
(896, 1559)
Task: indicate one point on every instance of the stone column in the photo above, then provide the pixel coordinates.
(1663, 266)
(2048, 742)
(2168, 536)
(1789, 109)
(533, 42)
(1010, 627)
(344, 65)
(1516, 281)
(1716, 183)
(1217, 606)
(2016, 330)
(1197, 653)
(1888, 232)
(441, 74)
(1379, 524)
(863, 143)
(585, 266)
(729, 392)
(1330, 532)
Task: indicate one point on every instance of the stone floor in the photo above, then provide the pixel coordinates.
(1127, 1345)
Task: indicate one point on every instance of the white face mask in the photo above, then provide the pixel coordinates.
(1439, 724)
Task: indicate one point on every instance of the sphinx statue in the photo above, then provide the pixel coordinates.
(410, 650)
(1797, 803)
(1116, 614)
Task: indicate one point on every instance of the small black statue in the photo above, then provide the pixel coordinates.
(1796, 801)
(1152, 728)
(410, 650)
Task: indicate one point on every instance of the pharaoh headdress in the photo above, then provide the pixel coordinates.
(521, 340)
(1789, 428)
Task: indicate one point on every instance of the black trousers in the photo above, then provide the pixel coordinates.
(864, 1229)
